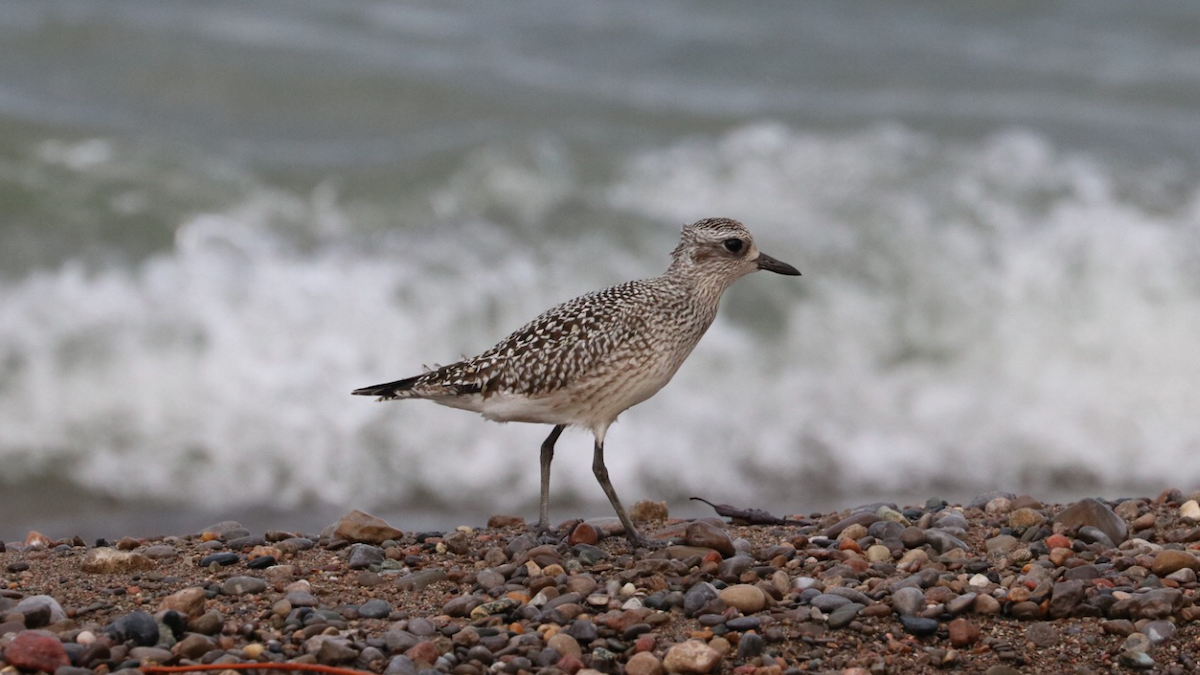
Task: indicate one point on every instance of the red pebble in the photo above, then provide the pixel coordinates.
(36, 650)
(569, 664)
(423, 652)
(583, 534)
(849, 544)
(1058, 541)
(645, 643)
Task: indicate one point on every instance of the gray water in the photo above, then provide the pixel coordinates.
(218, 218)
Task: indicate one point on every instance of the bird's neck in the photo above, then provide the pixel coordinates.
(705, 290)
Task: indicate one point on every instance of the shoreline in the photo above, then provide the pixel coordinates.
(964, 588)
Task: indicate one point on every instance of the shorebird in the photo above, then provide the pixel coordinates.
(588, 360)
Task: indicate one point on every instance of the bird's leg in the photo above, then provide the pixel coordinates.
(601, 472)
(543, 525)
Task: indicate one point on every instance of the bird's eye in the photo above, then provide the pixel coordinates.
(733, 245)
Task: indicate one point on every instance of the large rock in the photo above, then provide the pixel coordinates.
(39, 610)
(692, 656)
(748, 599)
(1097, 514)
(1159, 603)
(139, 627)
(1065, 598)
(700, 533)
(1168, 561)
(106, 560)
(363, 527)
(188, 602)
(36, 650)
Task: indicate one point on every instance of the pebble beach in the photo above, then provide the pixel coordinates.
(1001, 585)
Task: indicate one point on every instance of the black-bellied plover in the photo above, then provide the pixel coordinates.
(588, 360)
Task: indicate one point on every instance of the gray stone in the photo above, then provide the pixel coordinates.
(1065, 598)
(842, 616)
(1097, 514)
(489, 579)
(1093, 535)
(1159, 603)
(749, 646)
(853, 595)
(419, 581)
(943, 541)
(139, 627)
(908, 601)
(150, 654)
(1159, 631)
(363, 556)
(400, 640)
(961, 604)
(335, 651)
(697, 597)
(374, 609)
(1136, 659)
(243, 586)
(39, 610)
(302, 599)
(827, 602)
(1042, 634)
(919, 626)
(863, 518)
(400, 665)
(1001, 544)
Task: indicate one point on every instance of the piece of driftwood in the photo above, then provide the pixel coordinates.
(748, 516)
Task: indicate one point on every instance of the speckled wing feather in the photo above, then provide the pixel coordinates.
(563, 345)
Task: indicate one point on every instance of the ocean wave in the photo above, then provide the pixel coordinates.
(989, 314)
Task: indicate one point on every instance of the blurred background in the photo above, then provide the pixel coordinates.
(218, 218)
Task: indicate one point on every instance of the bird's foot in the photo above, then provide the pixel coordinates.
(638, 541)
(548, 535)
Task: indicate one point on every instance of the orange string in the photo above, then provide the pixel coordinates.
(311, 667)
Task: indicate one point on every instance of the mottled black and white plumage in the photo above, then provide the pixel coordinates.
(588, 360)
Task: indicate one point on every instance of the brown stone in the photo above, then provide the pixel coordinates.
(1143, 522)
(583, 534)
(647, 511)
(707, 535)
(963, 633)
(424, 652)
(1025, 518)
(1170, 560)
(565, 645)
(748, 599)
(194, 646)
(363, 527)
(188, 602)
(986, 604)
(501, 521)
(644, 663)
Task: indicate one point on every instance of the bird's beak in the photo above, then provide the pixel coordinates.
(766, 262)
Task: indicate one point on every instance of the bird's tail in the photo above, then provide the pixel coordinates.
(390, 390)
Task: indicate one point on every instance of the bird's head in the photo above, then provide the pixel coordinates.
(723, 248)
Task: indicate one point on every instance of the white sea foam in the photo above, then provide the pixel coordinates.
(972, 315)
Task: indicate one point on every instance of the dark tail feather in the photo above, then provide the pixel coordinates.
(388, 390)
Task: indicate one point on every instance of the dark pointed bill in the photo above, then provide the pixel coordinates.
(766, 262)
